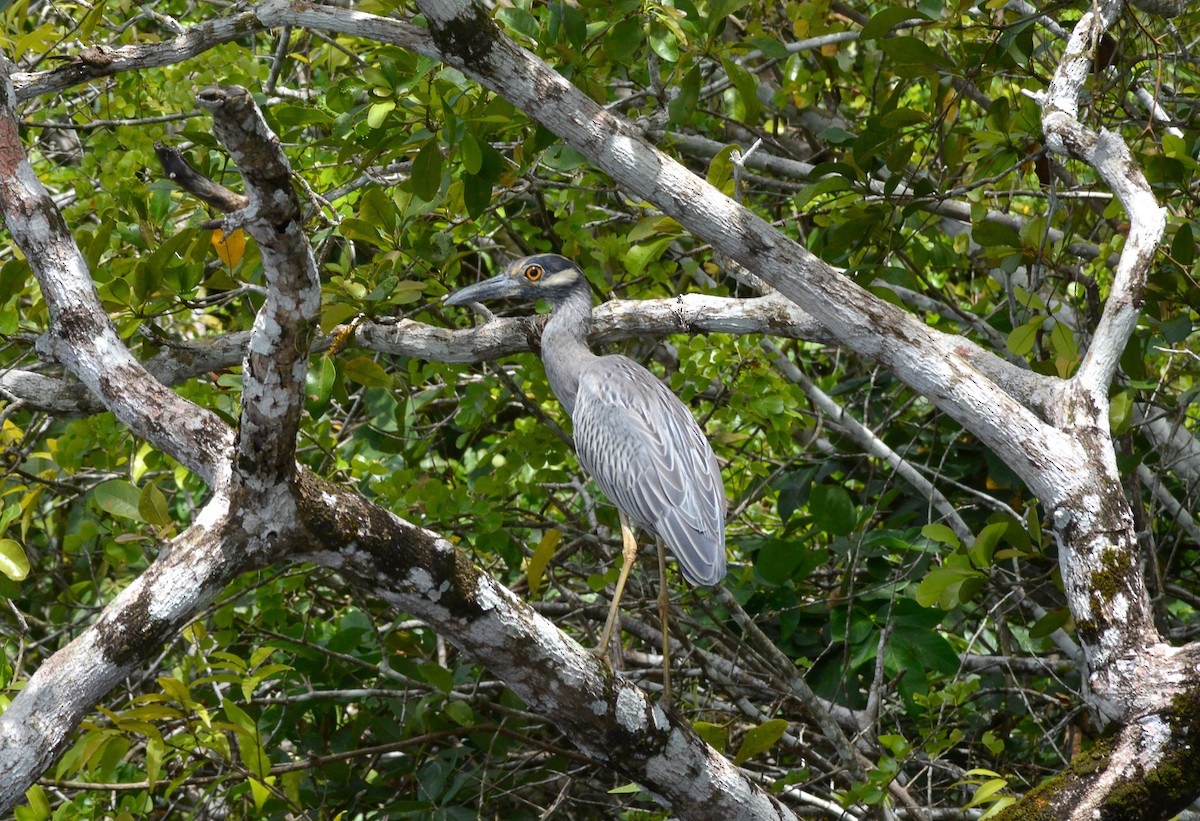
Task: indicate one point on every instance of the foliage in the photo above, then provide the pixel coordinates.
(293, 697)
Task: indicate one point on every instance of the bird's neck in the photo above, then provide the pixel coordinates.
(564, 344)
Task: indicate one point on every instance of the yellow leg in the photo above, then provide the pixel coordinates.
(629, 552)
(664, 604)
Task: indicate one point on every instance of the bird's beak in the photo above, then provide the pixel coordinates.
(497, 287)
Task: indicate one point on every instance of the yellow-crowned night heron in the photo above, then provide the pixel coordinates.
(635, 438)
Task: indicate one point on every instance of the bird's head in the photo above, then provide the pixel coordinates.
(542, 276)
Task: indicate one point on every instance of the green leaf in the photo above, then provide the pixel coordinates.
(939, 532)
(438, 676)
(747, 89)
(776, 560)
(718, 13)
(770, 47)
(260, 792)
(1063, 341)
(13, 561)
(1021, 340)
(828, 185)
(624, 39)
(921, 647)
(985, 544)
(366, 371)
(940, 587)
(1050, 622)
(519, 20)
(377, 114)
(376, 208)
(760, 739)
(120, 498)
(996, 236)
(683, 104)
(1120, 408)
(318, 386)
(715, 735)
(639, 256)
(1177, 329)
(986, 790)
(90, 20)
(664, 43)
(720, 168)
(627, 789)
(250, 746)
(832, 509)
(471, 153)
(1183, 245)
(155, 750)
(901, 117)
(460, 713)
(884, 21)
(1001, 804)
(38, 807)
(645, 228)
(427, 171)
(911, 51)
(152, 506)
(477, 194)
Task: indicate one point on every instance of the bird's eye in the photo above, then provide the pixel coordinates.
(533, 273)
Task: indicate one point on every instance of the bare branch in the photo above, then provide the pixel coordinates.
(93, 63)
(277, 357)
(37, 725)
(1107, 153)
(180, 172)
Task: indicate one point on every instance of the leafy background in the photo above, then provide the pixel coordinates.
(294, 697)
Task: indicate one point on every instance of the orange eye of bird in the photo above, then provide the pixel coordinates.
(533, 273)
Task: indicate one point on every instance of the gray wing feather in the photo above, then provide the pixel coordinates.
(650, 458)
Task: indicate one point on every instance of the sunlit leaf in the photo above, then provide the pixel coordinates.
(230, 247)
(540, 558)
(13, 561)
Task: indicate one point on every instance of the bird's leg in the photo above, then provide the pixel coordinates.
(664, 604)
(629, 552)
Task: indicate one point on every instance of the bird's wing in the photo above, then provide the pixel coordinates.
(650, 458)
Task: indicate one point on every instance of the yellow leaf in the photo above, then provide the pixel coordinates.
(541, 558)
(230, 247)
(10, 434)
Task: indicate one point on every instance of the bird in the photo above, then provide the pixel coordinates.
(637, 440)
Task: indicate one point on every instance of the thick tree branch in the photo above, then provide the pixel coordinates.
(614, 321)
(277, 356)
(37, 725)
(93, 63)
(610, 719)
(1107, 153)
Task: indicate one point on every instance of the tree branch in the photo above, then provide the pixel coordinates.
(277, 356)
(80, 334)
